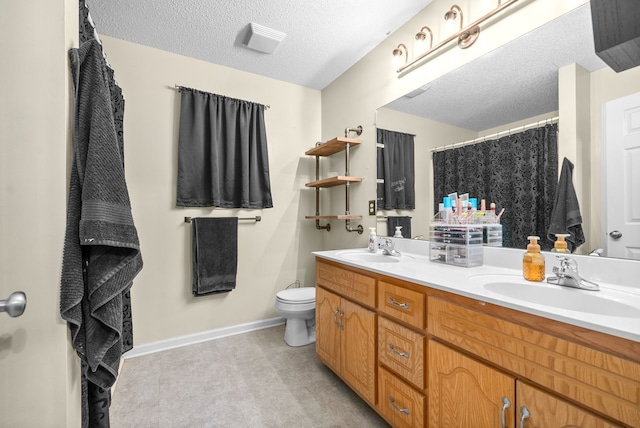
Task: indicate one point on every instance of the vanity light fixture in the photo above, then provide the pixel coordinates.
(397, 55)
(452, 14)
(466, 36)
(421, 36)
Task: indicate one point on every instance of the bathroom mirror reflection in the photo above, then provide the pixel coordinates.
(502, 91)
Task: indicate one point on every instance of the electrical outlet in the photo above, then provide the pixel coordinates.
(372, 207)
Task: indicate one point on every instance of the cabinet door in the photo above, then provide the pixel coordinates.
(328, 329)
(466, 393)
(545, 410)
(358, 349)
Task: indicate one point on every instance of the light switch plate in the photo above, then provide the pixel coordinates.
(372, 207)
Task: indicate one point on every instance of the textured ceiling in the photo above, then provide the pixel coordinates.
(512, 83)
(323, 37)
(326, 37)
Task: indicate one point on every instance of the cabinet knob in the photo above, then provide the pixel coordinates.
(402, 305)
(505, 405)
(402, 354)
(524, 414)
(395, 406)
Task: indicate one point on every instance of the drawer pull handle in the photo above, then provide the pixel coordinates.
(402, 305)
(524, 412)
(402, 354)
(335, 317)
(395, 406)
(341, 315)
(505, 405)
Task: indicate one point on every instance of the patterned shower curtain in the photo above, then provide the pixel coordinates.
(518, 172)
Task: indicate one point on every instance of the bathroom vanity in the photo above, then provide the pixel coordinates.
(424, 345)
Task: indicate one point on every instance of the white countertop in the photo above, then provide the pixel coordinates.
(620, 293)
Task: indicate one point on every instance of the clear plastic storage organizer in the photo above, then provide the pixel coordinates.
(456, 244)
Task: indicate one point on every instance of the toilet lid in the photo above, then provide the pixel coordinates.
(297, 295)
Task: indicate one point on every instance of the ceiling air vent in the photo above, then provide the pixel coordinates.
(263, 39)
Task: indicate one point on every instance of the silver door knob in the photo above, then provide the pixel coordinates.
(616, 234)
(14, 305)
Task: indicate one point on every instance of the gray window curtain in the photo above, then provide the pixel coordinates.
(222, 153)
(518, 172)
(396, 168)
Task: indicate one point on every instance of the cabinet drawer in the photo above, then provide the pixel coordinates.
(402, 350)
(357, 287)
(606, 383)
(402, 303)
(400, 404)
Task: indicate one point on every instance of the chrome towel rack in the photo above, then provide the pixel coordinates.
(256, 219)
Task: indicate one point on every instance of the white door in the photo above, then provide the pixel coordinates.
(621, 196)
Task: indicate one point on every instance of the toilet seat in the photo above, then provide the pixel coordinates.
(297, 295)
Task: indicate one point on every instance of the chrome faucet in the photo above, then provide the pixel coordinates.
(387, 245)
(567, 275)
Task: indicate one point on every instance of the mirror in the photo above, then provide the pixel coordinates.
(512, 86)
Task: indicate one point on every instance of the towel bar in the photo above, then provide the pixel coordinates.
(256, 219)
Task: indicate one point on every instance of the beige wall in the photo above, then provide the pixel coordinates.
(271, 254)
(38, 372)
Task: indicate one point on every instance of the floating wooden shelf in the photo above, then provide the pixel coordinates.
(334, 181)
(329, 148)
(332, 146)
(333, 217)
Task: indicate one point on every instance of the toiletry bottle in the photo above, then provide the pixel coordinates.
(373, 240)
(560, 245)
(446, 202)
(398, 233)
(533, 261)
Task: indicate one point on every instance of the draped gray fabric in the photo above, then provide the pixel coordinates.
(517, 172)
(222, 153)
(101, 252)
(396, 167)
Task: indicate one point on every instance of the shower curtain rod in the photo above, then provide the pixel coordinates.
(497, 134)
(178, 87)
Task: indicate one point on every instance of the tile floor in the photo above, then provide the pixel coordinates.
(248, 380)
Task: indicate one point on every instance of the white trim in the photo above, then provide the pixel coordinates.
(176, 342)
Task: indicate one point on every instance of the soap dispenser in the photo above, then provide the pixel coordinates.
(533, 261)
(373, 240)
(398, 233)
(560, 245)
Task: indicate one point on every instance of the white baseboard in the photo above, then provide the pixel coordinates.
(176, 342)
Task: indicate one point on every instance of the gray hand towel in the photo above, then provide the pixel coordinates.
(214, 255)
(566, 217)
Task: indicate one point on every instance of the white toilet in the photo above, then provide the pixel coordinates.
(298, 306)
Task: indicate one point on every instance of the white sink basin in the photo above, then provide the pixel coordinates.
(604, 302)
(367, 257)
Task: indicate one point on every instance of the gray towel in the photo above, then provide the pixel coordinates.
(101, 248)
(404, 221)
(214, 255)
(566, 217)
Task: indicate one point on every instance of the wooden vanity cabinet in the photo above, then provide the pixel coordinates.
(346, 330)
(424, 357)
(574, 383)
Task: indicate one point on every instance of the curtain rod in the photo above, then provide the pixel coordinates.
(178, 87)
(497, 134)
(256, 219)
